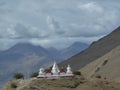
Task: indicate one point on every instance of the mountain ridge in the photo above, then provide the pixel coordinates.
(95, 50)
(72, 50)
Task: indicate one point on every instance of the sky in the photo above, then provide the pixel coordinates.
(57, 23)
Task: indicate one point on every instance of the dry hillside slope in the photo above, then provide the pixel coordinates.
(61, 84)
(107, 67)
(95, 51)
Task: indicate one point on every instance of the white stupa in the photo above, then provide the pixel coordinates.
(41, 72)
(69, 70)
(55, 70)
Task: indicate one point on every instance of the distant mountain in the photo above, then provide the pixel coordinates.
(27, 58)
(72, 50)
(21, 50)
(95, 50)
(22, 57)
(53, 51)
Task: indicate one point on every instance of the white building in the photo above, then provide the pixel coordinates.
(55, 72)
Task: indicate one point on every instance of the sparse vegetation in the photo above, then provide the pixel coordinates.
(34, 74)
(98, 76)
(105, 62)
(61, 84)
(82, 78)
(13, 85)
(18, 76)
(77, 73)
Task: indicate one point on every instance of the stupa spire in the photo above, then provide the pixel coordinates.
(55, 69)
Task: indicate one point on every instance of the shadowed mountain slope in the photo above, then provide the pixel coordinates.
(95, 51)
(72, 50)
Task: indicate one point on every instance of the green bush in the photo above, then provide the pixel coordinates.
(18, 76)
(77, 73)
(34, 74)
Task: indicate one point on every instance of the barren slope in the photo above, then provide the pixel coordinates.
(107, 67)
(61, 84)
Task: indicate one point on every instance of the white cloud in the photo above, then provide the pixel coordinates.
(52, 22)
(54, 26)
(58, 42)
(91, 7)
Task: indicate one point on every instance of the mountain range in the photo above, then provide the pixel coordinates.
(27, 58)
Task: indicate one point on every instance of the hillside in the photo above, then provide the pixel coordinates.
(61, 84)
(107, 67)
(95, 51)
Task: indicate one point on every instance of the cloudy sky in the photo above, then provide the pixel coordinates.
(56, 23)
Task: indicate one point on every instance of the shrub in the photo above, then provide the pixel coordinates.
(34, 74)
(18, 76)
(105, 62)
(98, 76)
(13, 85)
(77, 73)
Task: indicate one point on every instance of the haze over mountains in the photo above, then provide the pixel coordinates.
(101, 58)
(27, 58)
(97, 59)
(95, 51)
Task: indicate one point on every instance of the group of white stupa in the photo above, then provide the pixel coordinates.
(55, 72)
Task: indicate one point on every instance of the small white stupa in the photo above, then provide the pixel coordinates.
(69, 70)
(41, 72)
